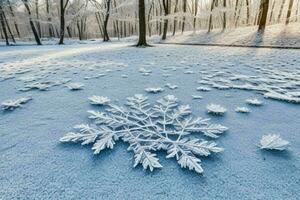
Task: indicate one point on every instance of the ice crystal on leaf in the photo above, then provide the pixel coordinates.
(164, 126)
(273, 142)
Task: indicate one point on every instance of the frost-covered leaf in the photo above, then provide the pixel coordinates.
(191, 162)
(154, 90)
(147, 128)
(75, 86)
(13, 104)
(215, 109)
(172, 87)
(254, 102)
(273, 142)
(197, 97)
(99, 100)
(203, 89)
(242, 110)
(147, 159)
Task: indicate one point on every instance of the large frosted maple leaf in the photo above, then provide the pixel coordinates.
(164, 126)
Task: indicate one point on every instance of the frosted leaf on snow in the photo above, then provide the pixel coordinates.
(171, 86)
(283, 97)
(147, 128)
(75, 86)
(197, 97)
(254, 102)
(242, 110)
(273, 142)
(13, 104)
(215, 109)
(203, 89)
(99, 100)
(154, 90)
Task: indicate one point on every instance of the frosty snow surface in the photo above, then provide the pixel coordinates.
(35, 165)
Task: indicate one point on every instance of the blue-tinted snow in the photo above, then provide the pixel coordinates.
(34, 165)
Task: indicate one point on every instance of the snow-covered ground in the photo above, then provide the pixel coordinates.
(35, 165)
(275, 35)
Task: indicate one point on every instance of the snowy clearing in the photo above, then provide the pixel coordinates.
(35, 165)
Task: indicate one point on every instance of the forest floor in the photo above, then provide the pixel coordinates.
(35, 165)
(278, 35)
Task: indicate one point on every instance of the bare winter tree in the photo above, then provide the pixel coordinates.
(63, 7)
(142, 24)
(289, 12)
(166, 6)
(105, 33)
(35, 33)
(264, 8)
(3, 25)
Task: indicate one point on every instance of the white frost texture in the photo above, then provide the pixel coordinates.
(99, 100)
(215, 109)
(242, 110)
(273, 142)
(13, 104)
(75, 86)
(154, 90)
(164, 126)
(254, 102)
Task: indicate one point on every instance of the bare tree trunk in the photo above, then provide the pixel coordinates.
(224, 15)
(175, 18)
(280, 11)
(38, 25)
(264, 7)
(98, 18)
(195, 14)
(289, 12)
(13, 15)
(149, 15)
(35, 33)
(210, 26)
(142, 25)
(51, 32)
(3, 25)
(8, 27)
(184, 11)
(106, 37)
(248, 11)
(63, 7)
(166, 11)
(272, 11)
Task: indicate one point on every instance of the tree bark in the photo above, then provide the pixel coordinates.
(280, 11)
(142, 25)
(13, 15)
(224, 15)
(38, 25)
(166, 11)
(289, 12)
(210, 25)
(35, 33)
(3, 25)
(175, 18)
(106, 37)
(264, 7)
(63, 7)
(183, 19)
